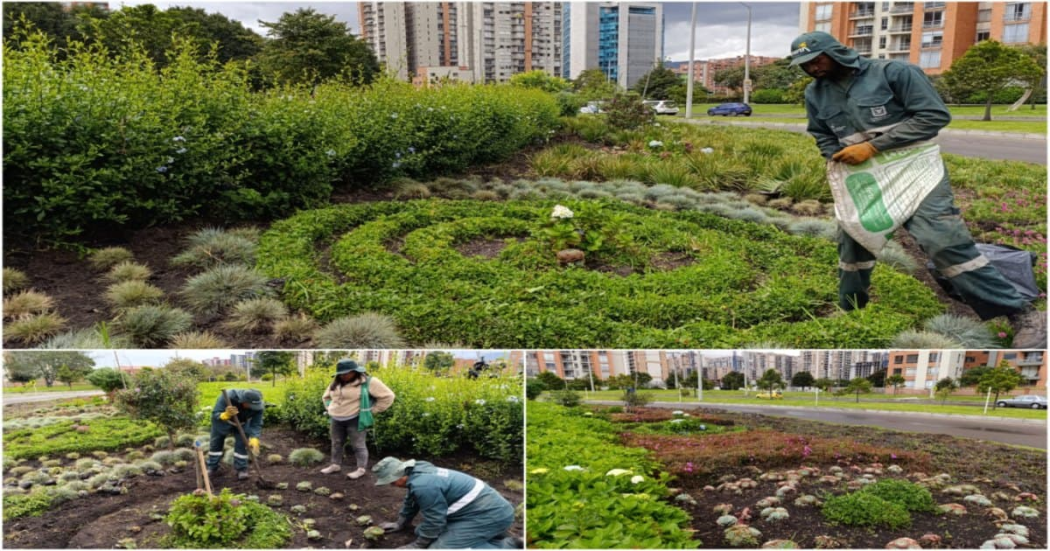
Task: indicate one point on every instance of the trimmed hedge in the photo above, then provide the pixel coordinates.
(737, 283)
(94, 141)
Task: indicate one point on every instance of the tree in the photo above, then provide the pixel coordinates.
(1000, 379)
(275, 363)
(540, 80)
(972, 376)
(896, 381)
(593, 84)
(439, 361)
(770, 380)
(192, 369)
(550, 380)
(108, 379)
(802, 379)
(944, 388)
(28, 366)
(990, 67)
(878, 379)
(309, 47)
(657, 84)
(796, 93)
(732, 78)
(51, 18)
(165, 398)
(779, 75)
(733, 380)
(1038, 54)
(824, 383)
(233, 40)
(858, 386)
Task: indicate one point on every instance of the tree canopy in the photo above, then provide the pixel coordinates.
(592, 84)
(858, 386)
(803, 379)
(770, 380)
(989, 67)
(23, 367)
(733, 380)
(1002, 378)
(658, 83)
(307, 47)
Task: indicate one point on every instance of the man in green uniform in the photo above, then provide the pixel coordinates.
(247, 406)
(858, 107)
(459, 511)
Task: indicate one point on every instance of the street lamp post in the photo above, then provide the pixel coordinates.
(692, 64)
(747, 57)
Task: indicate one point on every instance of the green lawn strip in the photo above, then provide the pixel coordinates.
(272, 394)
(583, 507)
(1021, 127)
(56, 388)
(106, 434)
(1016, 413)
(956, 110)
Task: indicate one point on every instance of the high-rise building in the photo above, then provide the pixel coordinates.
(931, 35)
(623, 39)
(922, 369)
(1030, 363)
(468, 41)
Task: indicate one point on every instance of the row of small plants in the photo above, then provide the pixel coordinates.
(431, 416)
(650, 278)
(586, 491)
(94, 141)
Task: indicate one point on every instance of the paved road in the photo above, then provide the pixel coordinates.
(48, 396)
(957, 142)
(1021, 432)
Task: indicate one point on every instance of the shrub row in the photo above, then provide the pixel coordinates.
(93, 141)
(575, 502)
(431, 416)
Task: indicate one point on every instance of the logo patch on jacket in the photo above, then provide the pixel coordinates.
(878, 112)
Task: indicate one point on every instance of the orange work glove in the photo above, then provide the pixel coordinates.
(855, 154)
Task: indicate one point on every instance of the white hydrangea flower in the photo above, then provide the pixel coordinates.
(656, 143)
(617, 472)
(561, 212)
(636, 479)
(573, 468)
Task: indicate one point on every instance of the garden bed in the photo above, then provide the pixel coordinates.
(102, 521)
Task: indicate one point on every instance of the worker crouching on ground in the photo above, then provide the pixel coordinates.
(459, 511)
(343, 403)
(247, 406)
(858, 108)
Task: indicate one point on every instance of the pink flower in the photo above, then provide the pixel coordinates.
(1002, 334)
(893, 456)
(689, 467)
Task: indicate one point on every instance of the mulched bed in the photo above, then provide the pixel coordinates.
(989, 466)
(100, 521)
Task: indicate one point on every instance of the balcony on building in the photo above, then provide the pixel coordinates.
(900, 29)
(866, 30)
(933, 5)
(899, 47)
(862, 13)
(902, 8)
(1031, 360)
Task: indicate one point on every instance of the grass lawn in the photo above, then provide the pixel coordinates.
(957, 110)
(209, 392)
(59, 387)
(805, 399)
(1024, 127)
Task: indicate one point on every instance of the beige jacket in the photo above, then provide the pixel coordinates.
(346, 400)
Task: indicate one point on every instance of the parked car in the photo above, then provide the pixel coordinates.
(662, 107)
(592, 108)
(1027, 401)
(730, 110)
(765, 395)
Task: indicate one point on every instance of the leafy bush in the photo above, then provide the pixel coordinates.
(20, 505)
(163, 397)
(627, 112)
(768, 95)
(194, 139)
(108, 379)
(565, 397)
(911, 497)
(225, 520)
(533, 389)
(153, 326)
(865, 509)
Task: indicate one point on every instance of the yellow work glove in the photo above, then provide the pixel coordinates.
(855, 154)
(253, 443)
(230, 413)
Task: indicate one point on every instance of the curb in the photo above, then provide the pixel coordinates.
(798, 126)
(940, 415)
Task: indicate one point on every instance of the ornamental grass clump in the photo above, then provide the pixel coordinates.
(256, 314)
(368, 330)
(214, 246)
(911, 339)
(127, 271)
(104, 259)
(14, 280)
(27, 304)
(153, 326)
(304, 457)
(198, 340)
(895, 256)
(34, 329)
(129, 294)
(969, 333)
(223, 286)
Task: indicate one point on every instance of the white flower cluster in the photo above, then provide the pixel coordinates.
(560, 212)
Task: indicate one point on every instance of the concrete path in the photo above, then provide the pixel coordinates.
(1019, 432)
(48, 396)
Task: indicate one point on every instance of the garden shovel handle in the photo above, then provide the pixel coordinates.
(244, 438)
(204, 469)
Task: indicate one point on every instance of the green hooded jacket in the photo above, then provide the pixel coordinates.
(887, 102)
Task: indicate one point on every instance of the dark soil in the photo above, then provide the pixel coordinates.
(955, 307)
(989, 466)
(485, 248)
(100, 521)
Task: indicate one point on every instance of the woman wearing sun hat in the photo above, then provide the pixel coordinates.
(343, 403)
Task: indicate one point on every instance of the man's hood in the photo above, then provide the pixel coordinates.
(810, 45)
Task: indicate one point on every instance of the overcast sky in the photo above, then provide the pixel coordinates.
(721, 27)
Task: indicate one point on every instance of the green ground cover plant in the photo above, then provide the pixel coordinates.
(432, 416)
(106, 434)
(865, 509)
(586, 491)
(225, 520)
(93, 140)
(666, 278)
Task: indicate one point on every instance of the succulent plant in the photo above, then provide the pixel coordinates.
(742, 535)
(364, 520)
(282, 485)
(275, 500)
(903, 543)
(1024, 512)
(978, 500)
(952, 509)
(373, 533)
(726, 520)
(774, 514)
(313, 535)
(780, 544)
(322, 491)
(298, 509)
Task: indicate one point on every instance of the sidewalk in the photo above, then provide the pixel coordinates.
(798, 127)
(682, 405)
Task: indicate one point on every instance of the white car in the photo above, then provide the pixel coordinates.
(662, 107)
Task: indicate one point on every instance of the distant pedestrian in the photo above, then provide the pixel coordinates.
(343, 404)
(858, 108)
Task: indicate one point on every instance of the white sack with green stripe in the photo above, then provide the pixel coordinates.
(876, 197)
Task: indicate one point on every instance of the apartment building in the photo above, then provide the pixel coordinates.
(623, 39)
(579, 364)
(922, 369)
(1030, 363)
(931, 35)
(704, 71)
(467, 41)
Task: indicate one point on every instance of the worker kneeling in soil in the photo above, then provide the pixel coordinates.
(459, 511)
(247, 407)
